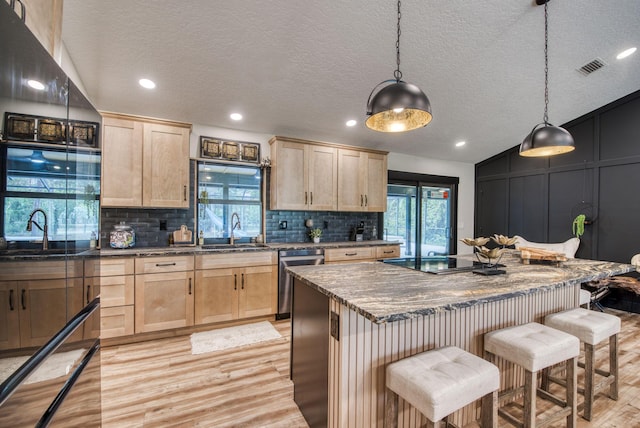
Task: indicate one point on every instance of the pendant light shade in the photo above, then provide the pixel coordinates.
(546, 139)
(399, 106)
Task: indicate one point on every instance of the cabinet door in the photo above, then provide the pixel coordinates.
(216, 295)
(375, 180)
(258, 292)
(9, 315)
(350, 194)
(165, 166)
(116, 321)
(121, 176)
(40, 302)
(289, 177)
(163, 301)
(323, 178)
(90, 291)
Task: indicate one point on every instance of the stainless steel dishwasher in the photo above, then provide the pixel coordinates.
(307, 256)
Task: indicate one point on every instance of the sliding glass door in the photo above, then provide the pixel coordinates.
(421, 214)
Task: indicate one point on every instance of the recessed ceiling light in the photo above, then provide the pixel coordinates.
(235, 116)
(146, 83)
(626, 53)
(460, 143)
(351, 122)
(35, 84)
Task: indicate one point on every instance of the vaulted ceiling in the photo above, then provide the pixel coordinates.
(303, 68)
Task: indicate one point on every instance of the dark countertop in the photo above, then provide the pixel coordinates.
(386, 293)
(16, 255)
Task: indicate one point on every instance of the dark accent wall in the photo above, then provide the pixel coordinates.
(538, 198)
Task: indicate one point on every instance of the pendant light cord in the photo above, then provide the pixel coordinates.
(398, 74)
(546, 64)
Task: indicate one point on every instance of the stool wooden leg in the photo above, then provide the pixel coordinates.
(442, 423)
(489, 417)
(572, 392)
(613, 366)
(589, 379)
(391, 410)
(530, 386)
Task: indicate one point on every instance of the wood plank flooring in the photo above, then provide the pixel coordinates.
(160, 384)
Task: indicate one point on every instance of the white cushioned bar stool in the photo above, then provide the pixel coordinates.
(441, 381)
(534, 347)
(592, 328)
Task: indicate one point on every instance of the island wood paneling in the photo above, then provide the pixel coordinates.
(358, 360)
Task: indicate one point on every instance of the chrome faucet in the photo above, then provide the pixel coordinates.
(45, 238)
(233, 226)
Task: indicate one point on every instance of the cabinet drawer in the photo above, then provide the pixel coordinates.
(108, 267)
(236, 259)
(115, 290)
(164, 264)
(388, 252)
(26, 270)
(348, 254)
(117, 321)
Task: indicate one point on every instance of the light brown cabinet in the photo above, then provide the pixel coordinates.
(32, 292)
(303, 176)
(362, 181)
(228, 288)
(164, 293)
(361, 254)
(113, 279)
(145, 162)
(44, 19)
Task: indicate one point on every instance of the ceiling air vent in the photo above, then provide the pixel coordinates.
(592, 66)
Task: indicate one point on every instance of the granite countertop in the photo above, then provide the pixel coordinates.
(15, 255)
(386, 293)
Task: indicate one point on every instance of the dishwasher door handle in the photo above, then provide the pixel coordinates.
(284, 260)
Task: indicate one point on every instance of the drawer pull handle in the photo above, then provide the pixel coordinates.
(305, 198)
(23, 299)
(185, 193)
(389, 252)
(88, 292)
(165, 264)
(235, 281)
(189, 285)
(350, 254)
(311, 193)
(366, 202)
(361, 201)
(243, 281)
(11, 300)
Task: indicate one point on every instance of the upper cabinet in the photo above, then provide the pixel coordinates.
(311, 176)
(362, 181)
(145, 162)
(304, 176)
(44, 19)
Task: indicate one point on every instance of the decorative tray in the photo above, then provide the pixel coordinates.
(528, 254)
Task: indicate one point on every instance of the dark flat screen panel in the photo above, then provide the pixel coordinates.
(570, 194)
(618, 231)
(582, 134)
(620, 131)
(527, 207)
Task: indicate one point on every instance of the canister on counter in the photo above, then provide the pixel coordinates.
(122, 236)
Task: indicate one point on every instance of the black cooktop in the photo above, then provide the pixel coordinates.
(436, 265)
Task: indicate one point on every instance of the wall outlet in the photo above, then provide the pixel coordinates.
(163, 224)
(282, 224)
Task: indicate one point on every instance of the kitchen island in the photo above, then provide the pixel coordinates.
(349, 321)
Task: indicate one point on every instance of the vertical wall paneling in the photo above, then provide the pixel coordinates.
(358, 360)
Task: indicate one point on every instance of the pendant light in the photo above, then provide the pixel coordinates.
(546, 139)
(399, 106)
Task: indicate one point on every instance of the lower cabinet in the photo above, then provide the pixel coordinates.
(32, 296)
(361, 254)
(164, 293)
(112, 278)
(229, 287)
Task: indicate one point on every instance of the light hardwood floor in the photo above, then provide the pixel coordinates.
(160, 384)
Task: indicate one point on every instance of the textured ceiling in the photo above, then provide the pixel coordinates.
(302, 68)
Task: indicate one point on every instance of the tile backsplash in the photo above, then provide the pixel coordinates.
(336, 226)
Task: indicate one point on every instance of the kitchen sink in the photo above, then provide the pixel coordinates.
(38, 252)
